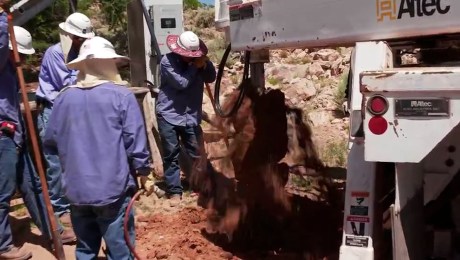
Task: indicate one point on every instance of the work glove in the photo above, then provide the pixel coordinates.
(143, 176)
(201, 62)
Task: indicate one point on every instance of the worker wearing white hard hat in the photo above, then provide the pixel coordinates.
(54, 76)
(179, 106)
(16, 167)
(103, 143)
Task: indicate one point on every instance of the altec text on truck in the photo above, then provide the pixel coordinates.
(410, 8)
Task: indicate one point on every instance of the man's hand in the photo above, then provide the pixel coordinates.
(143, 182)
(201, 62)
(4, 5)
(143, 174)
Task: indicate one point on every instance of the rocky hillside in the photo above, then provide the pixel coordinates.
(312, 80)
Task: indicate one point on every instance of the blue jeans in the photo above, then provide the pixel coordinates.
(17, 170)
(192, 139)
(91, 224)
(53, 168)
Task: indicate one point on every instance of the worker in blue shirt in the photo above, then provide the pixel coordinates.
(16, 167)
(98, 131)
(54, 76)
(179, 106)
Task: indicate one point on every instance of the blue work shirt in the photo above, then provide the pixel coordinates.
(99, 135)
(9, 98)
(180, 97)
(54, 74)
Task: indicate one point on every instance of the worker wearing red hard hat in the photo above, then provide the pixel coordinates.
(179, 106)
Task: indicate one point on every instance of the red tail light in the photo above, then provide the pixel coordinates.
(378, 125)
(377, 105)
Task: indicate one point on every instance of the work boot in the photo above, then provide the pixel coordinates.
(16, 253)
(174, 200)
(68, 236)
(65, 220)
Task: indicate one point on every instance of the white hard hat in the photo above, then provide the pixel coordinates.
(79, 25)
(96, 48)
(23, 41)
(187, 44)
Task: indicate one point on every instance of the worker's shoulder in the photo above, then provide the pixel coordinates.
(54, 50)
(168, 58)
(115, 88)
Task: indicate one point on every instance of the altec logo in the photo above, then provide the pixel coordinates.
(390, 10)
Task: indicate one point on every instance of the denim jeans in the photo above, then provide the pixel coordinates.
(17, 171)
(53, 168)
(191, 138)
(91, 224)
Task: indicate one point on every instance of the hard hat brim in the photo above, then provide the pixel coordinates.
(171, 42)
(23, 51)
(86, 36)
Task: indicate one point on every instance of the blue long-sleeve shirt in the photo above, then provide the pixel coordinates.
(99, 134)
(180, 97)
(54, 74)
(9, 97)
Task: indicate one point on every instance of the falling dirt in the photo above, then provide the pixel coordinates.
(248, 206)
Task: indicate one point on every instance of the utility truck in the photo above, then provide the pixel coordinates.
(404, 137)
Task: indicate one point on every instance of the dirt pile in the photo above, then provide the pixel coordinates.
(247, 201)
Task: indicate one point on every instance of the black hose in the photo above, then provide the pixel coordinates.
(237, 105)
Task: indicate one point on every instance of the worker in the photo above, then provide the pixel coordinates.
(16, 167)
(179, 106)
(98, 131)
(54, 76)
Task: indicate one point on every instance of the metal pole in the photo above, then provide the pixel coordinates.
(72, 6)
(58, 249)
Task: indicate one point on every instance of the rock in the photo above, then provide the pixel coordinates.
(336, 121)
(294, 81)
(315, 69)
(318, 118)
(324, 54)
(301, 91)
(297, 51)
(302, 55)
(335, 67)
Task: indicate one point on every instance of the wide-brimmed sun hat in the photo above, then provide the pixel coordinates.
(187, 44)
(96, 48)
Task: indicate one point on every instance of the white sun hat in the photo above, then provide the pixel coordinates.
(96, 48)
(23, 41)
(79, 25)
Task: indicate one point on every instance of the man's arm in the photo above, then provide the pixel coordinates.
(4, 49)
(209, 72)
(54, 74)
(134, 135)
(174, 78)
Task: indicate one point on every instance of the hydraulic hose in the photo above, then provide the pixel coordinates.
(125, 224)
(239, 101)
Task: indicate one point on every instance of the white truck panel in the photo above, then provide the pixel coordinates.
(167, 19)
(424, 105)
(315, 23)
(382, 58)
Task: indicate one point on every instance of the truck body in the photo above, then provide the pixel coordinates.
(402, 172)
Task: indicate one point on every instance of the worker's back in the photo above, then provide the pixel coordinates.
(95, 130)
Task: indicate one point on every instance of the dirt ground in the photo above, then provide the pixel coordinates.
(182, 233)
